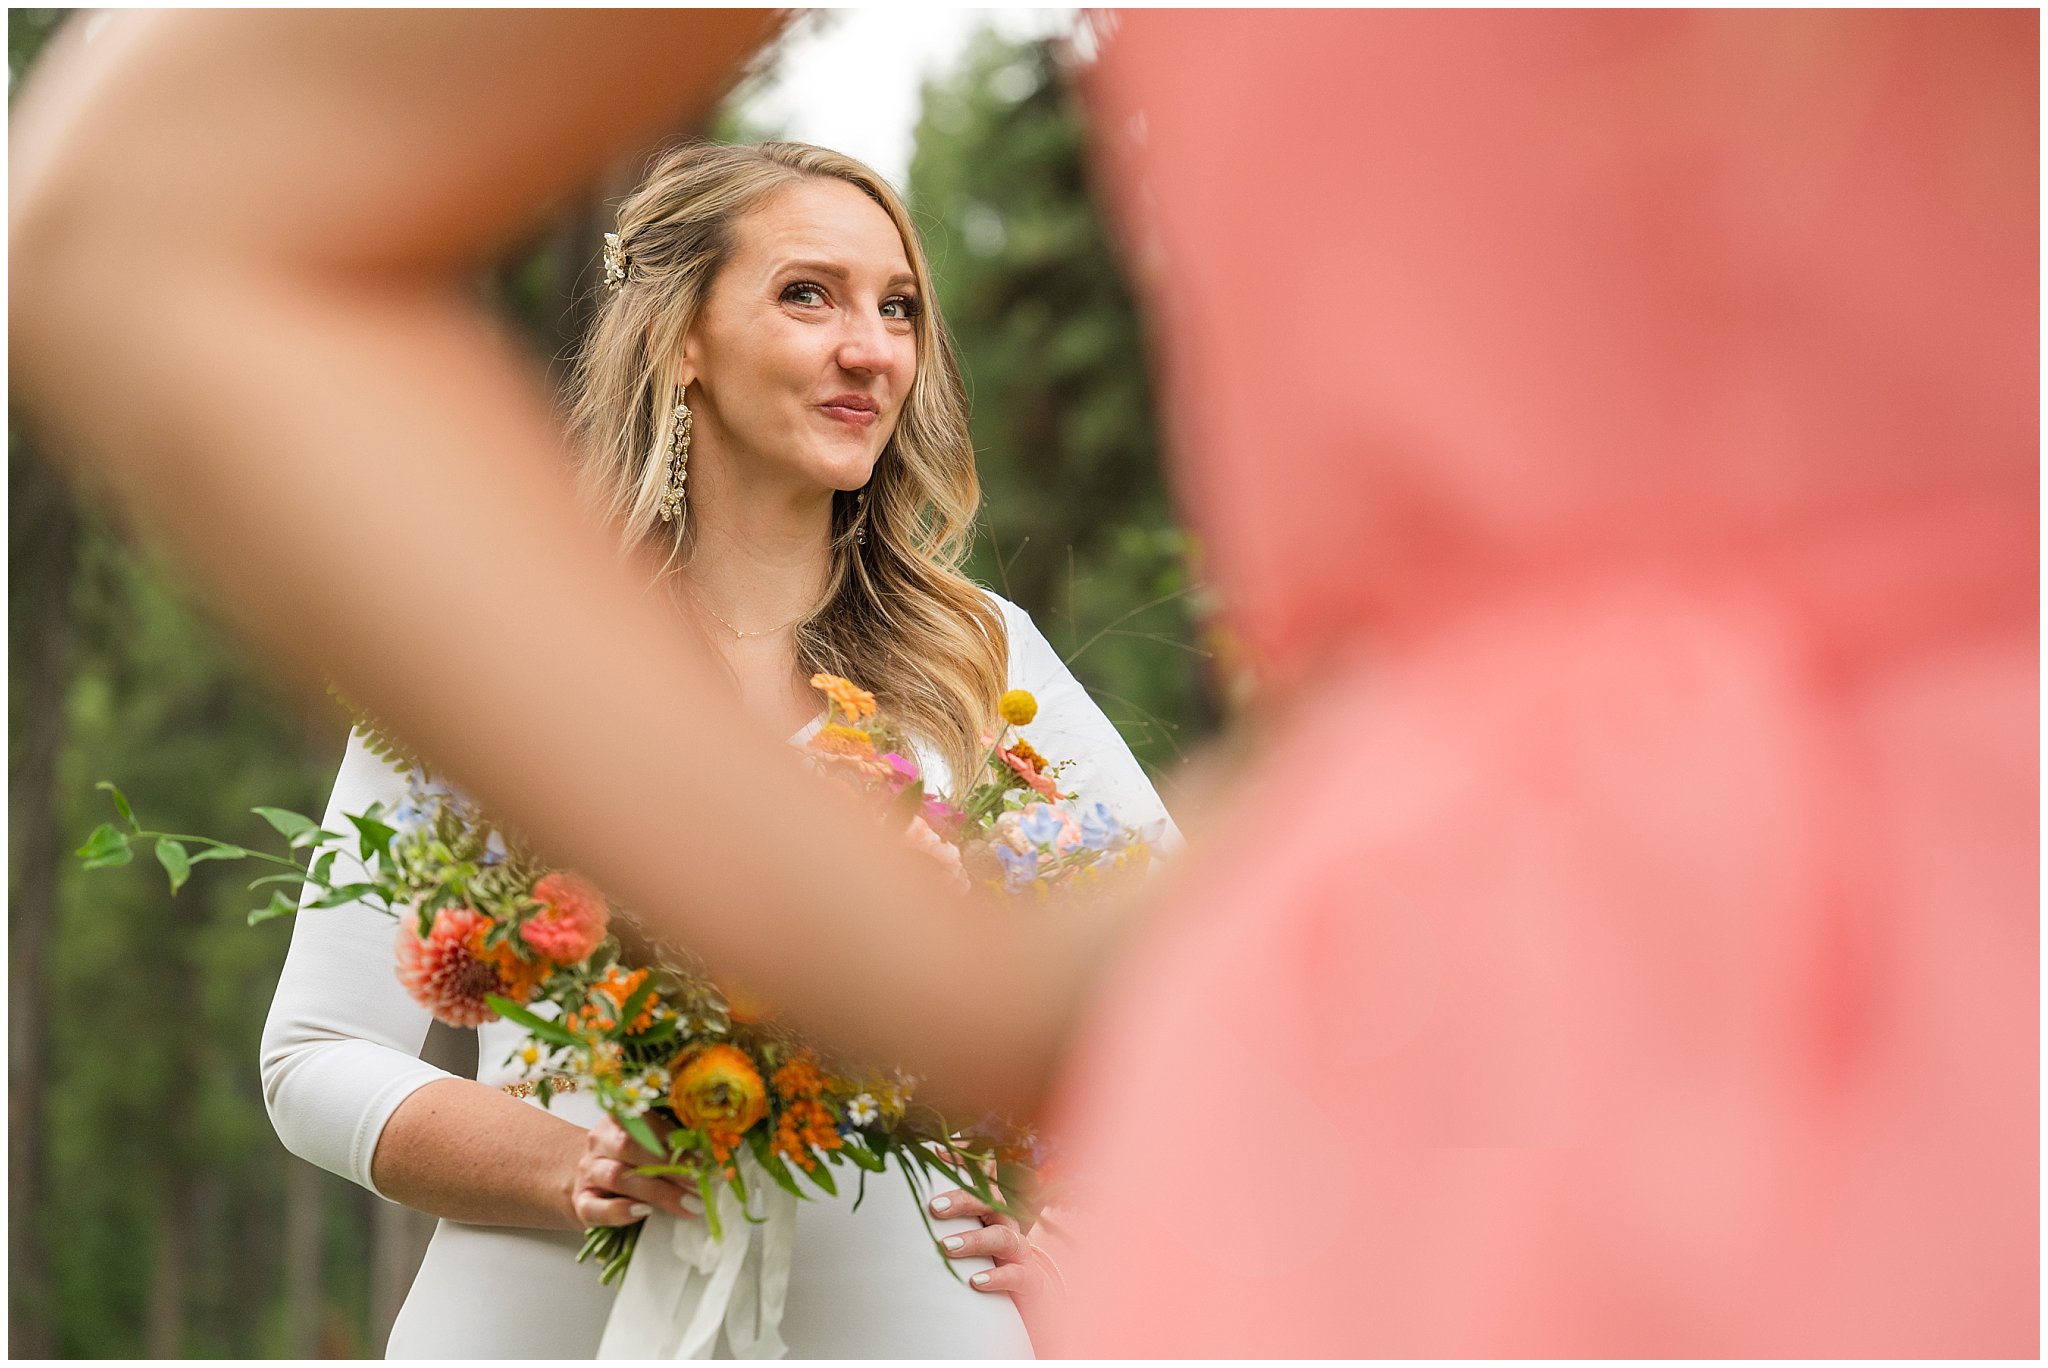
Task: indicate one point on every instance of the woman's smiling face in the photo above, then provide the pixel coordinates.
(804, 351)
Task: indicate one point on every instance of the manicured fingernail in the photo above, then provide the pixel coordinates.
(639, 1209)
(956, 1241)
(979, 1280)
(942, 1204)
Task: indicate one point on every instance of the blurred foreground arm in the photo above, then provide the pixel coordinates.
(242, 252)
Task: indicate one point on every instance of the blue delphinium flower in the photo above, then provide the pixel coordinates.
(1100, 829)
(1040, 824)
(1018, 870)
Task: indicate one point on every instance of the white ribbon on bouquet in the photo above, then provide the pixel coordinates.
(683, 1286)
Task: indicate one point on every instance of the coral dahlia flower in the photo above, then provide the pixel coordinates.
(572, 920)
(450, 973)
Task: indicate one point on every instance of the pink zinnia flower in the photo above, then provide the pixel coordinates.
(943, 817)
(572, 919)
(450, 973)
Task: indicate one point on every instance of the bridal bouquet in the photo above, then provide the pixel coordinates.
(696, 1072)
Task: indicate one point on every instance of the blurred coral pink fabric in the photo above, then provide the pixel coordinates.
(1615, 438)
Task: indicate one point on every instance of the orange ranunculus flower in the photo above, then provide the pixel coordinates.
(717, 1090)
(856, 703)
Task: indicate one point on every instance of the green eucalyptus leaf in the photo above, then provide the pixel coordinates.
(346, 893)
(106, 847)
(278, 906)
(374, 837)
(121, 805)
(171, 855)
(219, 852)
(287, 822)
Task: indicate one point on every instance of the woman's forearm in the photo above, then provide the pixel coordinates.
(467, 1152)
(258, 332)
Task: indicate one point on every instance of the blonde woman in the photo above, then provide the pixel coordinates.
(768, 409)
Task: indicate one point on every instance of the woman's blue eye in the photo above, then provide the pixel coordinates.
(904, 306)
(803, 287)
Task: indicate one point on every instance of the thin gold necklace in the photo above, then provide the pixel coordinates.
(738, 635)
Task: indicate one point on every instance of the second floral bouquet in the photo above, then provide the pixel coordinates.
(696, 1072)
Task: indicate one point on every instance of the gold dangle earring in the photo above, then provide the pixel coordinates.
(678, 468)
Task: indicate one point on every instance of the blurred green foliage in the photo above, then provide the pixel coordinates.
(151, 1209)
(1079, 530)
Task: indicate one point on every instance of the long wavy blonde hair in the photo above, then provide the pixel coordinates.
(897, 616)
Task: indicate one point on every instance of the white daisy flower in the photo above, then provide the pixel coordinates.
(863, 1110)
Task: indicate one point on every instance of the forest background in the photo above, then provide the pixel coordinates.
(152, 1212)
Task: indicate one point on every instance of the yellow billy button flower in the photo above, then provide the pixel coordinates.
(1017, 707)
(717, 1090)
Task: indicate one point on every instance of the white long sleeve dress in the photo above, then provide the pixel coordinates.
(341, 1051)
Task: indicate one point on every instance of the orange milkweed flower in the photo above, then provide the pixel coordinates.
(618, 985)
(802, 1128)
(799, 1079)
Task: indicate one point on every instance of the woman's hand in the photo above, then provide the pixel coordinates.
(607, 1192)
(1022, 1269)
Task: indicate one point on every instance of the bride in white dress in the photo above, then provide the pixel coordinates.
(769, 405)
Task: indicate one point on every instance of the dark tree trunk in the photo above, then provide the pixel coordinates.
(304, 1300)
(42, 553)
(166, 1330)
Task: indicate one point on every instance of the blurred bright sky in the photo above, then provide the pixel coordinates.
(850, 79)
